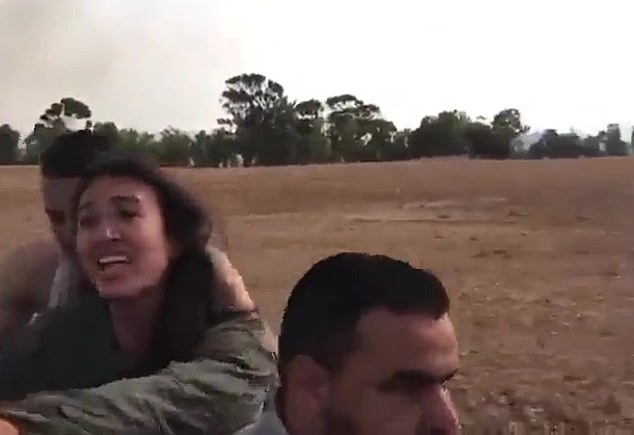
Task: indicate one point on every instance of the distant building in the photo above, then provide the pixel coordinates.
(551, 144)
(521, 145)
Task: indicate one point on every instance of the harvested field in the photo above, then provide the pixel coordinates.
(537, 256)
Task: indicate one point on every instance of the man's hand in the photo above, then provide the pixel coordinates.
(230, 292)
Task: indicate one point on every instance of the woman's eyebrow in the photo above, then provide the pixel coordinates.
(117, 199)
(125, 199)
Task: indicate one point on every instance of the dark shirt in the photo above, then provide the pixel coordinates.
(69, 359)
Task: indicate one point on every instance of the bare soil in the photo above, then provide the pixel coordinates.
(537, 256)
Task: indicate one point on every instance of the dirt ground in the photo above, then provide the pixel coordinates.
(537, 256)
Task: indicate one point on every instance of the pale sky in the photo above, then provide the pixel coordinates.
(152, 63)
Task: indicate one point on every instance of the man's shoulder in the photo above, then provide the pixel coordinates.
(33, 254)
(28, 269)
(39, 249)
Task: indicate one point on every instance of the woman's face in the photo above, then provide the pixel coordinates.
(121, 240)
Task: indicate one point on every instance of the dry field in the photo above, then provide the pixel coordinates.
(537, 256)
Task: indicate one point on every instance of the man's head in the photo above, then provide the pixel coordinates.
(366, 347)
(62, 164)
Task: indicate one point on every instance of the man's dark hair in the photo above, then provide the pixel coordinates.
(328, 301)
(70, 154)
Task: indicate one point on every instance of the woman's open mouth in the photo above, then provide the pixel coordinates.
(108, 262)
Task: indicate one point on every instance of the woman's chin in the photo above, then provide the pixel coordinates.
(117, 292)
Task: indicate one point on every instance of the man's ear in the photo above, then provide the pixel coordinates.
(308, 382)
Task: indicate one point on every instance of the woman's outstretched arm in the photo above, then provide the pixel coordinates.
(220, 392)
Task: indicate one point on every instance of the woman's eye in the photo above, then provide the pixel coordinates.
(86, 221)
(128, 214)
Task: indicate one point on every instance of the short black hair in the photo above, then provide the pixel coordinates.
(326, 304)
(71, 153)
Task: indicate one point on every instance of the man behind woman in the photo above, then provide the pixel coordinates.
(42, 274)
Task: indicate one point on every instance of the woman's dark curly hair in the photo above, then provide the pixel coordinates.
(188, 301)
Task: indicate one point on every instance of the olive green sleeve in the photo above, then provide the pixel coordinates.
(218, 393)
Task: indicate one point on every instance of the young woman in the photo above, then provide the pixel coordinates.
(162, 338)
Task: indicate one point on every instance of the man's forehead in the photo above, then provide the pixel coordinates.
(392, 342)
(383, 323)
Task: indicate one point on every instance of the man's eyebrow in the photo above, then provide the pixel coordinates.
(420, 377)
(449, 375)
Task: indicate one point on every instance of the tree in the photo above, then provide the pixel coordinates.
(55, 121)
(215, 149)
(486, 142)
(313, 146)
(592, 145)
(398, 147)
(350, 126)
(173, 147)
(441, 135)
(261, 117)
(343, 127)
(133, 140)
(614, 145)
(110, 130)
(508, 123)
(41, 137)
(68, 109)
(380, 144)
(279, 136)
(222, 148)
(9, 140)
(199, 149)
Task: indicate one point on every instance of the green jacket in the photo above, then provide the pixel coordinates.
(69, 354)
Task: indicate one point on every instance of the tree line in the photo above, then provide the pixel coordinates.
(263, 126)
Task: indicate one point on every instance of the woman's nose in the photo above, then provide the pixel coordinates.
(112, 233)
(107, 231)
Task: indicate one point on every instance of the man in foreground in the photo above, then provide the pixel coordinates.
(366, 347)
(42, 274)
